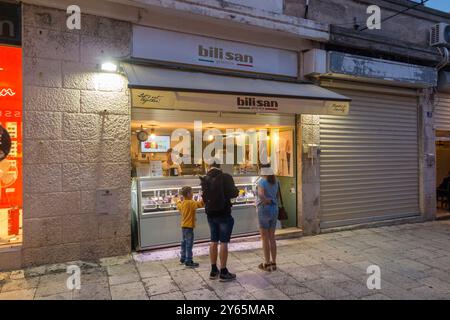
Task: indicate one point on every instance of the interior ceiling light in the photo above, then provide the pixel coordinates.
(152, 134)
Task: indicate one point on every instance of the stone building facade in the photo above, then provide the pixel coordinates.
(77, 119)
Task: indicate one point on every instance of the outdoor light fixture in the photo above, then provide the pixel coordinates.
(109, 66)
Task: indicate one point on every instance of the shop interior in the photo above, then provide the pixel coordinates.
(161, 179)
(442, 173)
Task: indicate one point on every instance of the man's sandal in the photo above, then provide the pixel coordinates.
(265, 266)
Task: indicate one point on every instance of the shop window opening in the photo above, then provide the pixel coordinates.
(157, 179)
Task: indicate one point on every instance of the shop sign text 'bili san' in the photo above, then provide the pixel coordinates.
(10, 23)
(216, 53)
(250, 103)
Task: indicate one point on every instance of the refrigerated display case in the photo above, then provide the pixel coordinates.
(156, 221)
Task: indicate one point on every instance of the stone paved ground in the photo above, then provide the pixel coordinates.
(414, 261)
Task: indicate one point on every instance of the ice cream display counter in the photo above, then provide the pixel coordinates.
(156, 221)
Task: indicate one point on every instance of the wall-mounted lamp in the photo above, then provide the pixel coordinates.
(109, 66)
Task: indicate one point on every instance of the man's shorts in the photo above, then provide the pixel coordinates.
(221, 228)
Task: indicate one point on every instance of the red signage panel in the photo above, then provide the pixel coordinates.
(10, 141)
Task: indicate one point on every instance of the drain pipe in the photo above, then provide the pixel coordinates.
(306, 9)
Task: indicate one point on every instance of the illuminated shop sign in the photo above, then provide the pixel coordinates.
(10, 141)
(211, 52)
(10, 23)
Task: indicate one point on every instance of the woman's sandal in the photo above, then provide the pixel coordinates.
(273, 265)
(265, 266)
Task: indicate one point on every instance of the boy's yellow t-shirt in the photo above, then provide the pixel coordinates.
(187, 209)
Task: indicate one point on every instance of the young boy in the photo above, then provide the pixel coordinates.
(187, 208)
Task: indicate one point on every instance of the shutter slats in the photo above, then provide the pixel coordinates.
(442, 112)
(369, 166)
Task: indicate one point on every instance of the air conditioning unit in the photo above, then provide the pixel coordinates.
(440, 35)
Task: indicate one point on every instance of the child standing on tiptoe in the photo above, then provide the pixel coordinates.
(187, 208)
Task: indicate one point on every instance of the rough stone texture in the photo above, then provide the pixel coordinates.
(427, 149)
(70, 142)
(111, 102)
(412, 26)
(51, 99)
(309, 205)
(327, 266)
(41, 72)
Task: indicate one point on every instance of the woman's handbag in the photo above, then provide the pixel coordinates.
(282, 214)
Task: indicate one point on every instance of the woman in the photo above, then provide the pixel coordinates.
(171, 168)
(267, 205)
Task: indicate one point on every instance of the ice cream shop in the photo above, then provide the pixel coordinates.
(212, 99)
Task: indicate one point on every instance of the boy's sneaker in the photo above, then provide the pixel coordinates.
(225, 275)
(214, 274)
(191, 264)
(182, 261)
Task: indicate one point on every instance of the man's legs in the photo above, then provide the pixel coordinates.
(223, 253)
(213, 248)
(226, 228)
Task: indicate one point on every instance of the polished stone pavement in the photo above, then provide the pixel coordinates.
(414, 260)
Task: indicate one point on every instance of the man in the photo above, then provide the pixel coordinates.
(218, 190)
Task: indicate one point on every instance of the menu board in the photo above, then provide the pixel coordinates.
(156, 144)
(11, 136)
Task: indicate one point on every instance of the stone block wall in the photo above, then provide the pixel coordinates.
(413, 26)
(309, 196)
(76, 137)
(427, 152)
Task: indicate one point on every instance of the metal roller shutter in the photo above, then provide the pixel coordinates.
(442, 112)
(369, 166)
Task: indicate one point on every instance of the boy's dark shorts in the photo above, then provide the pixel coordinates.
(221, 228)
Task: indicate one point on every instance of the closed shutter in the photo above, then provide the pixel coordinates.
(442, 112)
(369, 166)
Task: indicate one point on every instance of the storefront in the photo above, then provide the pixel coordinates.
(191, 117)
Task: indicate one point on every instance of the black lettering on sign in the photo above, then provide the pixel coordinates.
(10, 23)
(149, 98)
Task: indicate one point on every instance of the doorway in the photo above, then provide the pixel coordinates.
(442, 173)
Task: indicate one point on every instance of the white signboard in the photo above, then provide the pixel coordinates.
(162, 45)
(156, 168)
(106, 201)
(141, 98)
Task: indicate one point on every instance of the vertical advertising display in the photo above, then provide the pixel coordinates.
(10, 143)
